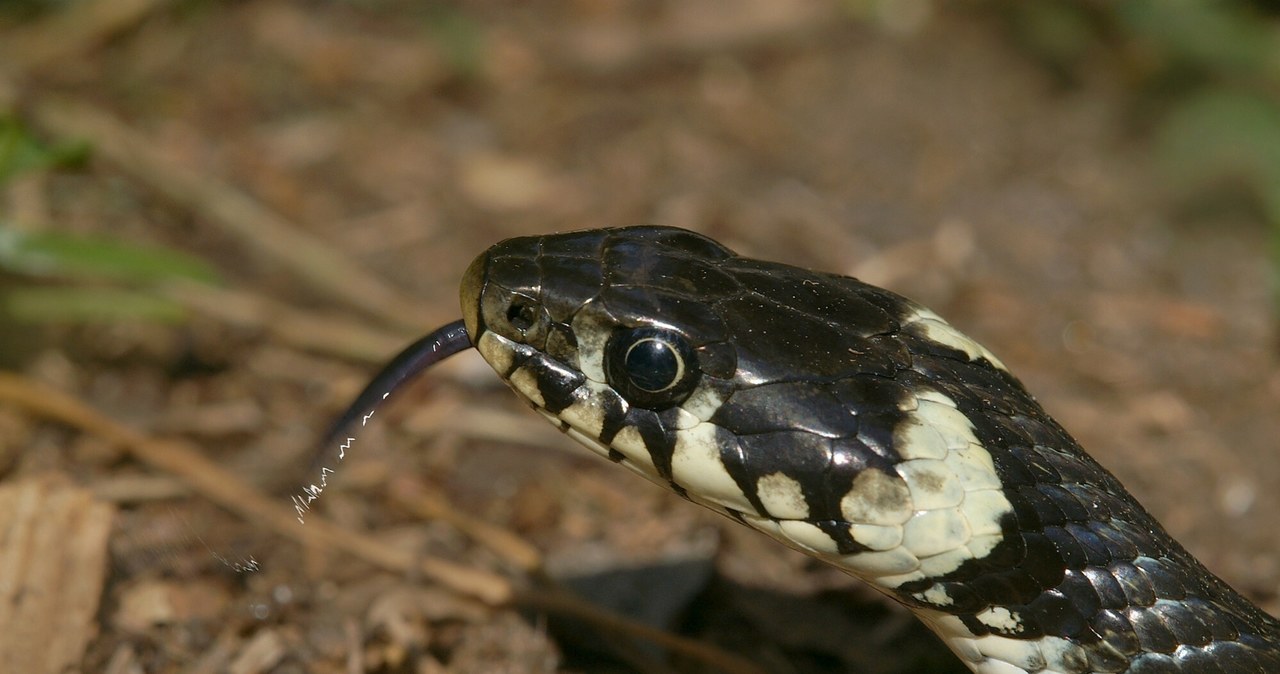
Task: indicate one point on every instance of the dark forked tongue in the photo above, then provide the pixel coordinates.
(414, 359)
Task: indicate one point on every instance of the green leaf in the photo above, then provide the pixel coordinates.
(1059, 32)
(20, 151)
(1223, 134)
(87, 305)
(459, 38)
(1223, 36)
(63, 255)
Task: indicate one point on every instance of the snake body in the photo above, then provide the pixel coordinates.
(858, 427)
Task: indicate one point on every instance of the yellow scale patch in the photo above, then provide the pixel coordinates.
(930, 325)
(942, 508)
(993, 654)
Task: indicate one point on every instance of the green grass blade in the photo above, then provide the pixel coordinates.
(61, 255)
(88, 305)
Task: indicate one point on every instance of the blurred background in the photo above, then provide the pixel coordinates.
(218, 218)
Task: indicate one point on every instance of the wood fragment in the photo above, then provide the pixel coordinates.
(264, 651)
(123, 661)
(53, 559)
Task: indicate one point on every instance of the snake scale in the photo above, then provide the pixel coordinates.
(856, 426)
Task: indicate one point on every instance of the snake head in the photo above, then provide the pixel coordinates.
(775, 395)
(610, 333)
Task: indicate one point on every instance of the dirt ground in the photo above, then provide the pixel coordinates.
(392, 141)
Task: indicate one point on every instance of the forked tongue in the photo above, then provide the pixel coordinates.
(414, 359)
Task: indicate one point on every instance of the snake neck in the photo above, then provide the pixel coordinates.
(1082, 578)
(1158, 627)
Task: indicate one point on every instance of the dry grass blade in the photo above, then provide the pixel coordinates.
(327, 335)
(255, 225)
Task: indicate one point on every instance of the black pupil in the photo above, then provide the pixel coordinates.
(652, 365)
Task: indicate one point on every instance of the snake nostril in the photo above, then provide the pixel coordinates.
(521, 315)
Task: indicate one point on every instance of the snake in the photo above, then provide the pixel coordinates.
(856, 426)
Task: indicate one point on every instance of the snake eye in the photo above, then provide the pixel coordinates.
(653, 368)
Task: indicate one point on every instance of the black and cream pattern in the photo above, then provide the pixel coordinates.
(861, 428)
